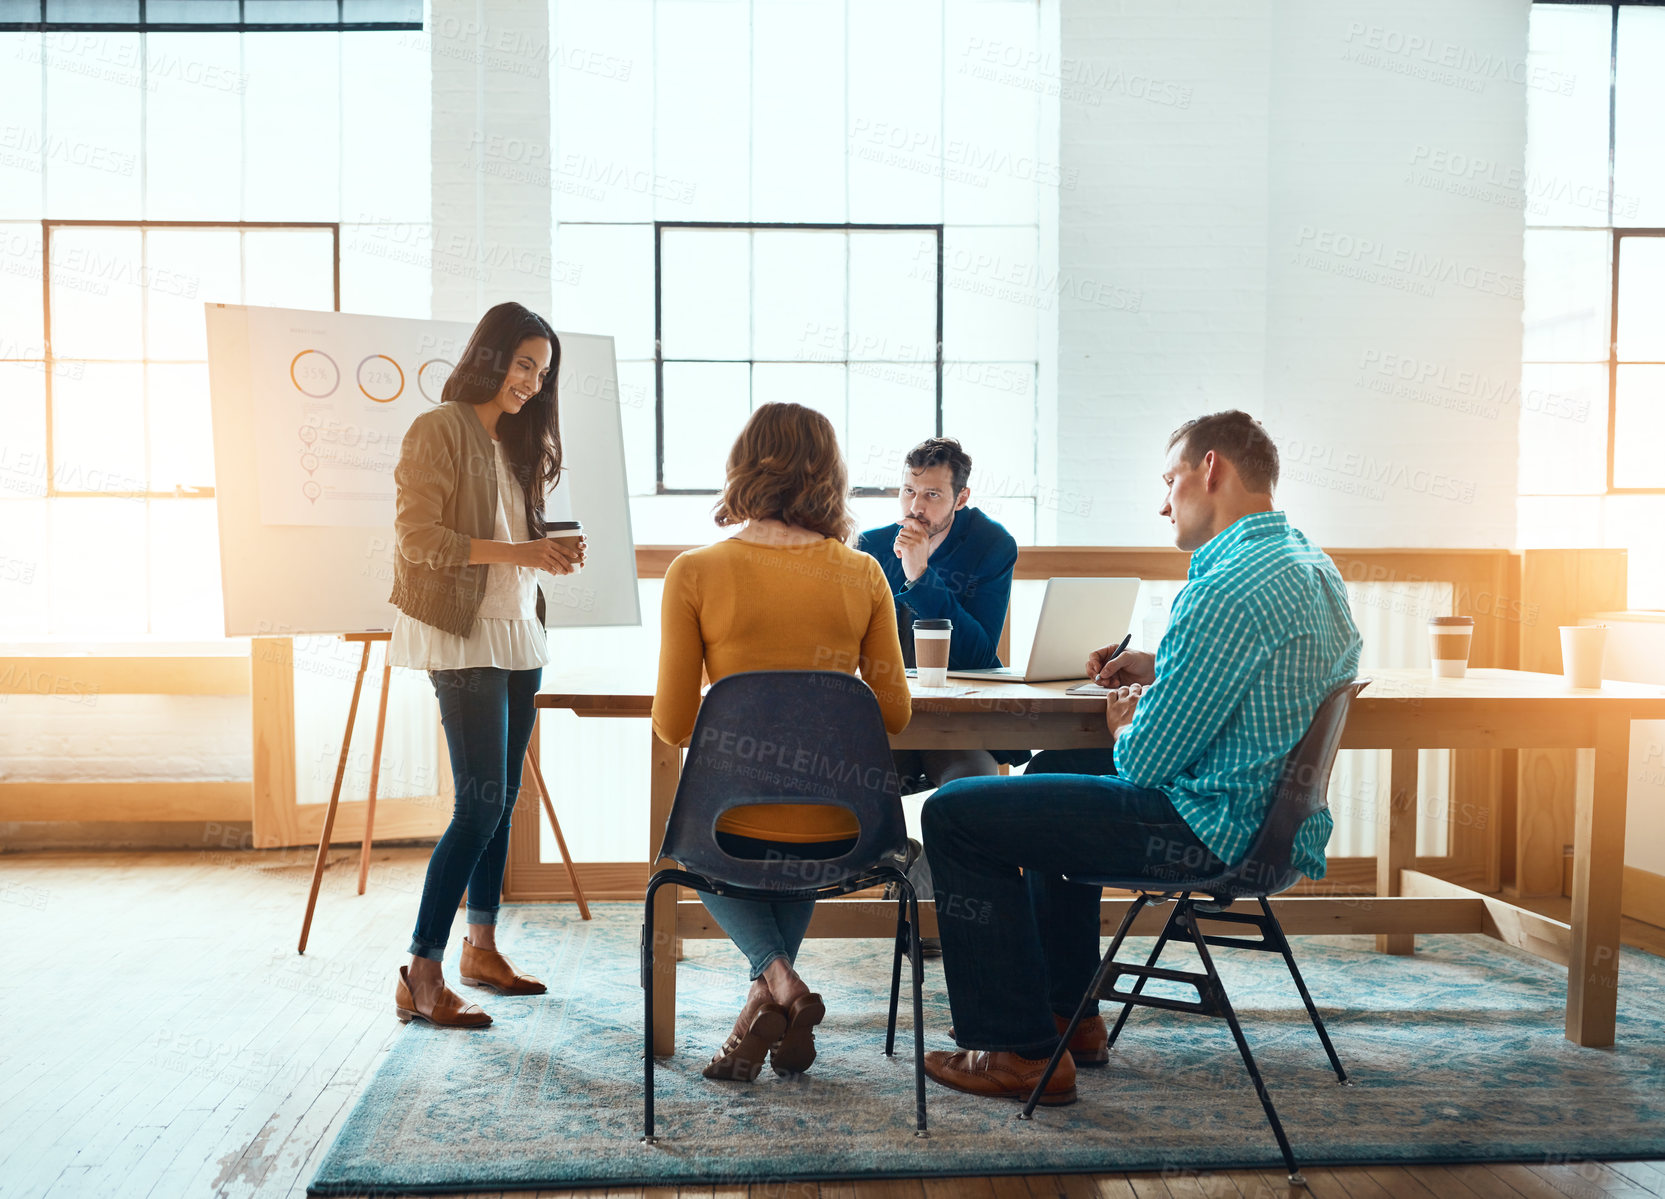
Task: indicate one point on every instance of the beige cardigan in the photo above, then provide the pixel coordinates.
(445, 496)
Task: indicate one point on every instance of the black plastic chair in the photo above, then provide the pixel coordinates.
(1265, 870)
(792, 737)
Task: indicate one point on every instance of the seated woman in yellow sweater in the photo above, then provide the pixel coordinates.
(784, 593)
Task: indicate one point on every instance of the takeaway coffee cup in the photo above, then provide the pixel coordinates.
(1449, 638)
(570, 533)
(1582, 647)
(930, 651)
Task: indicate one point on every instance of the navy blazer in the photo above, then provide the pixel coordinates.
(968, 581)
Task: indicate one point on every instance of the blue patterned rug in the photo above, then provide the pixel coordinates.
(1457, 1055)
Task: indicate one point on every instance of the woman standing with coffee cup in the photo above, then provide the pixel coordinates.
(470, 484)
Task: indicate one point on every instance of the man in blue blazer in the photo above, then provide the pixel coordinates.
(945, 559)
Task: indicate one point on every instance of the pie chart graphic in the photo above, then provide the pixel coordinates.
(314, 374)
(381, 379)
(431, 377)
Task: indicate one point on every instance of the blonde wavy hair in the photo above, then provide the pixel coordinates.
(786, 466)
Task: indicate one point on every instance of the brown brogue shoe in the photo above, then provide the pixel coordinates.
(1000, 1075)
(1090, 1046)
(488, 968)
(448, 1012)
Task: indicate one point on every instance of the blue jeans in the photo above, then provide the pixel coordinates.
(488, 715)
(1019, 943)
(766, 931)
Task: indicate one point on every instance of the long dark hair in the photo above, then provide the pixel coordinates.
(531, 437)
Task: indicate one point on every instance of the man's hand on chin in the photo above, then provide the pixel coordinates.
(913, 547)
(1119, 706)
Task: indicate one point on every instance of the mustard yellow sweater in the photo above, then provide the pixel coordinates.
(737, 606)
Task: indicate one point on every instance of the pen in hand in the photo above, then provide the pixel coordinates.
(1099, 678)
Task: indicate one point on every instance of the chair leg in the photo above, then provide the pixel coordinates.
(1301, 986)
(1028, 1112)
(902, 943)
(1243, 1048)
(917, 957)
(1139, 983)
(647, 1021)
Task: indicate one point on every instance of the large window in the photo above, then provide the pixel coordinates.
(1636, 433)
(837, 113)
(125, 360)
(143, 174)
(845, 319)
(1592, 384)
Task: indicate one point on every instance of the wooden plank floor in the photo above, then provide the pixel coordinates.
(205, 1058)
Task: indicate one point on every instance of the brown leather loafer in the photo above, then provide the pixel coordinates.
(449, 1012)
(741, 1057)
(795, 1051)
(488, 968)
(1090, 1046)
(1001, 1075)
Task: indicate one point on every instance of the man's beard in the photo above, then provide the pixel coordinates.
(936, 530)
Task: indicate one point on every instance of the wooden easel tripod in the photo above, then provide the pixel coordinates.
(375, 770)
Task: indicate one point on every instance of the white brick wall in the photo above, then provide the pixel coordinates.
(491, 156)
(1167, 126)
(1240, 166)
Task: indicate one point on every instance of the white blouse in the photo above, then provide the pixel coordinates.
(506, 633)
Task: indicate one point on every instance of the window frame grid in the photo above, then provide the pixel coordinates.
(1615, 233)
(241, 25)
(50, 359)
(1613, 364)
(659, 227)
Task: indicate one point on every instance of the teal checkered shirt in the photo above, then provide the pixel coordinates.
(1260, 634)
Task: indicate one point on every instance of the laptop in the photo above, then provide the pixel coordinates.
(1077, 616)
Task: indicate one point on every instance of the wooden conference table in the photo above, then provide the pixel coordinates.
(1403, 711)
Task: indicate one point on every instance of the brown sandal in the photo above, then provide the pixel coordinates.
(795, 1051)
(449, 1012)
(741, 1057)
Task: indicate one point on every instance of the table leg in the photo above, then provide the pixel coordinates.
(1598, 875)
(666, 767)
(1396, 842)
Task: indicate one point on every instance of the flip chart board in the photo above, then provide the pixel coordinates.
(309, 409)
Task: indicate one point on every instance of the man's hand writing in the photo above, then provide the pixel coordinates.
(1128, 667)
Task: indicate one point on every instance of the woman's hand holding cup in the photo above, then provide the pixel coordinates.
(557, 557)
(576, 548)
(567, 536)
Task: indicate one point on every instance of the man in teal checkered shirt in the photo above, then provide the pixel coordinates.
(1259, 636)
